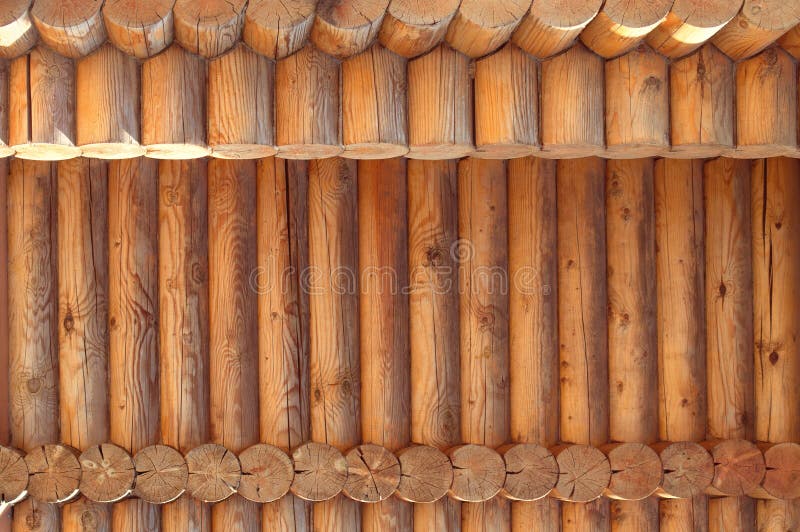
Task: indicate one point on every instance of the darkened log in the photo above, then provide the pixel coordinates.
(161, 474)
(689, 24)
(214, 473)
(17, 32)
(551, 26)
(320, 471)
(208, 28)
(278, 29)
(583, 474)
(343, 28)
(480, 27)
(758, 24)
(73, 28)
(108, 473)
(478, 473)
(267, 473)
(621, 25)
(55, 473)
(141, 28)
(411, 28)
(426, 475)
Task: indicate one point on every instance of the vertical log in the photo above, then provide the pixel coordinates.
(133, 320)
(73, 29)
(107, 111)
(183, 327)
(533, 320)
(758, 24)
(41, 119)
(240, 105)
(5, 412)
(173, 114)
(411, 29)
(439, 105)
(141, 28)
(572, 104)
(208, 28)
(582, 325)
(479, 27)
(483, 317)
(343, 28)
(32, 315)
(333, 302)
(621, 25)
(701, 104)
(283, 324)
(689, 24)
(278, 29)
(374, 124)
(551, 26)
(233, 325)
(433, 302)
(5, 149)
(83, 317)
(506, 105)
(307, 105)
(17, 32)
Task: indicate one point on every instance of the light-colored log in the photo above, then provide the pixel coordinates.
(479, 27)
(107, 474)
(688, 472)
(478, 475)
(572, 104)
(55, 473)
(758, 24)
(637, 105)
(161, 474)
(343, 28)
(307, 105)
(373, 474)
(411, 28)
(333, 300)
(208, 28)
(141, 28)
(439, 105)
(5, 149)
(584, 473)
(73, 28)
(320, 472)
(278, 29)
(240, 105)
(214, 473)
(17, 32)
(106, 108)
(267, 475)
(374, 124)
(621, 25)
(689, 24)
(551, 26)
(506, 105)
(13, 476)
(41, 114)
(701, 92)
(426, 476)
(766, 106)
(172, 109)
(282, 232)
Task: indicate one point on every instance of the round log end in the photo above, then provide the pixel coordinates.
(176, 151)
(108, 473)
(267, 473)
(39, 151)
(782, 477)
(437, 152)
(426, 474)
(112, 150)
(320, 471)
(531, 471)
(374, 150)
(13, 476)
(688, 469)
(738, 467)
(161, 474)
(373, 473)
(307, 152)
(242, 151)
(214, 473)
(54, 473)
(478, 472)
(583, 473)
(636, 471)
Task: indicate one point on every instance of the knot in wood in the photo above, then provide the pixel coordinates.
(478, 472)
(107, 473)
(373, 473)
(426, 474)
(267, 473)
(214, 473)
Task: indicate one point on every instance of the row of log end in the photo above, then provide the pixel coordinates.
(378, 105)
(369, 473)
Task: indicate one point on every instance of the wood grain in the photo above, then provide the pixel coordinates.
(73, 28)
(343, 28)
(141, 28)
(411, 28)
(756, 26)
(208, 28)
(552, 26)
(481, 27)
(278, 29)
(621, 25)
(17, 32)
(689, 24)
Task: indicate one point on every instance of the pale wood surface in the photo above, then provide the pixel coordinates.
(161, 476)
(277, 29)
(107, 476)
(688, 472)
(478, 475)
(552, 26)
(373, 474)
(411, 28)
(13, 476)
(584, 473)
(73, 28)
(343, 28)
(636, 472)
(17, 32)
(5, 149)
(621, 25)
(689, 24)
(55, 473)
(426, 476)
(320, 472)
(208, 28)
(267, 475)
(756, 26)
(214, 473)
(480, 27)
(141, 28)
(531, 471)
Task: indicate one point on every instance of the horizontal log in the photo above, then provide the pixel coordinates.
(108, 473)
(141, 28)
(551, 26)
(343, 28)
(622, 24)
(689, 24)
(208, 28)
(756, 26)
(480, 27)
(411, 28)
(17, 32)
(72, 28)
(277, 29)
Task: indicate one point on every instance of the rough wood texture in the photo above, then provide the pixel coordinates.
(572, 104)
(5, 435)
(551, 26)
(411, 28)
(701, 104)
(13, 476)
(373, 473)
(161, 474)
(73, 28)
(173, 110)
(688, 469)
(531, 471)
(426, 475)
(208, 28)
(758, 24)
(17, 32)
(267, 473)
(480, 27)
(636, 471)
(214, 473)
(107, 473)
(622, 24)
(240, 117)
(689, 24)
(343, 28)
(41, 119)
(106, 105)
(478, 473)
(55, 473)
(141, 28)
(782, 461)
(320, 471)
(278, 29)
(583, 474)
(307, 105)
(738, 467)
(5, 149)
(439, 103)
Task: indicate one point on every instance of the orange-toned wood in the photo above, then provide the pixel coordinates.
(343, 28)
(5, 433)
(427, 475)
(141, 28)
(411, 28)
(320, 472)
(278, 29)
(208, 28)
(107, 474)
(73, 28)
(551, 26)
(480, 27)
(478, 475)
(758, 24)
(622, 24)
(731, 513)
(373, 475)
(17, 32)
(55, 473)
(5, 149)
(689, 24)
(584, 474)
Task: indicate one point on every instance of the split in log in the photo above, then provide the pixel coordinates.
(277, 29)
(17, 31)
(551, 26)
(55, 473)
(267, 473)
(583, 473)
(689, 24)
(73, 28)
(343, 28)
(411, 28)
(426, 474)
(161, 474)
(208, 28)
(141, 28)
(688, 469)
(320, 471)
(373, 473)
(636, 471)
(478, 472)
(782, 476)
(622, 24)
(480, 27)
(108, 473)
(758, 24)
(13, 476)
(738, 467)
(214, 473)
(531, 471)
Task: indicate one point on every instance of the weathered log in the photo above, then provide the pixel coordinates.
(343, 28)
(73, 28)
(688, 470)
(55, 473)
(636, 471)
(479, 27)
(411, 28)
(17, 32)
(731, 513)
(267, 474)
(13, 476)
(214, 473)
(738, 467)
(551, 26)
(689, 24)
(478, 474)
(208, 28)
(426, 475)
(782, 462)
(141, 28)
(758, 24)
(278, 29)
(5, 149)
(5, 410)
(161, 474)
(373, 473)
(107, 475)
(531, 471)
(320, 471)
(621, 25)
(583, 474)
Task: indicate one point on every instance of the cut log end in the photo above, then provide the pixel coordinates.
(13, 476)
(636, 471)
(136, 30)
(54, 473)
(531, 471)
(426, 474)
(320, 471)
(161, 474)
(583, 473)
(176, 151)
(108, 473)
(306, 152)
(267, 473)
(478, 472)
(411, 28)
(214, 473)
(782, 477)
(738, 467)
(242, 151)
(436, 152)
(688, 469)
(374, 150)
(373, 473)
(40, 151)
(73, 29)
(112, 150)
